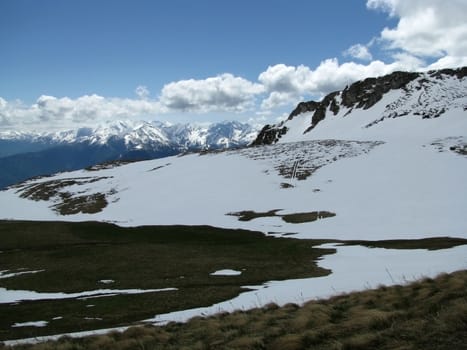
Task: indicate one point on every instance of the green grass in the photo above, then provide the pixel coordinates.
(299, 218)
(75, 256)
(427, 314)
(248, 215)
(434, 243)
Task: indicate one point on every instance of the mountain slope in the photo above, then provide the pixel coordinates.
(367, 109)
(24, 155)
(402, 176)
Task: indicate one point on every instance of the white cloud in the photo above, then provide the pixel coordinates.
(49, 111)
(285, 84)
(426, 28)
(289, 84)
(221, 93)
(359, 51)
(277, 99)
(286, 79)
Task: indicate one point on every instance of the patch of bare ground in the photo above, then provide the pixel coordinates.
(109, 165)
(299, 160)
(68, 203)
(295, 218)
(89, 204)
(460, 149)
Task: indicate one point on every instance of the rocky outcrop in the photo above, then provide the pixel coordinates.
(269, 135)
(459, 72)
(362, 94)
(366, 93)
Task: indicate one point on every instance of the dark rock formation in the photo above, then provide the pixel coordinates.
(269, 135)
(366, 93)
(362, 94)
(459, 72)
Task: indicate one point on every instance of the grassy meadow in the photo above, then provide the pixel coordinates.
(77, 257)
(74, 257)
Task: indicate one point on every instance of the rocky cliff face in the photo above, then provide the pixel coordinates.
(364, 95)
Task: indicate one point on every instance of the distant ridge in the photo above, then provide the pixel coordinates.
(27, 154)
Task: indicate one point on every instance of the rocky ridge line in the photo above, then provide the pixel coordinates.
(362, 94)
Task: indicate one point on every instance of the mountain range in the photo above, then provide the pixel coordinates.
(28, 154)
(384, 158)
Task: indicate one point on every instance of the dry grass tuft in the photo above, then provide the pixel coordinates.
(287, 342)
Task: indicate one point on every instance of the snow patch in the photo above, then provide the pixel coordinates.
(8, 274)
(106, 281)
(226, 272)
(31, 324)
(13, 296)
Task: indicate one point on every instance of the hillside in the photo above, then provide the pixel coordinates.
(28, 154)
(372, 108)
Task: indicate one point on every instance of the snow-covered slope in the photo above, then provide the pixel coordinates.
(371, 109)
(372, 173)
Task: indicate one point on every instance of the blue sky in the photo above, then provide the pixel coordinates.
(80, 62)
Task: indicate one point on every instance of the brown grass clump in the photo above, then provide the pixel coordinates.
(245, 342)
(287, 342)
(428, 314)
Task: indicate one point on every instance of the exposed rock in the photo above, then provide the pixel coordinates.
(459, 72)
(269, 135)
(366, 93)
(319, 109)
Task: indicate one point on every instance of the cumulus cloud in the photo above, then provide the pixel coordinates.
(50, 111)
(359, 51)
(426, 28)
(277, 99)
(285, 79)
(289, 84)
(285, 84)
(224, 92)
